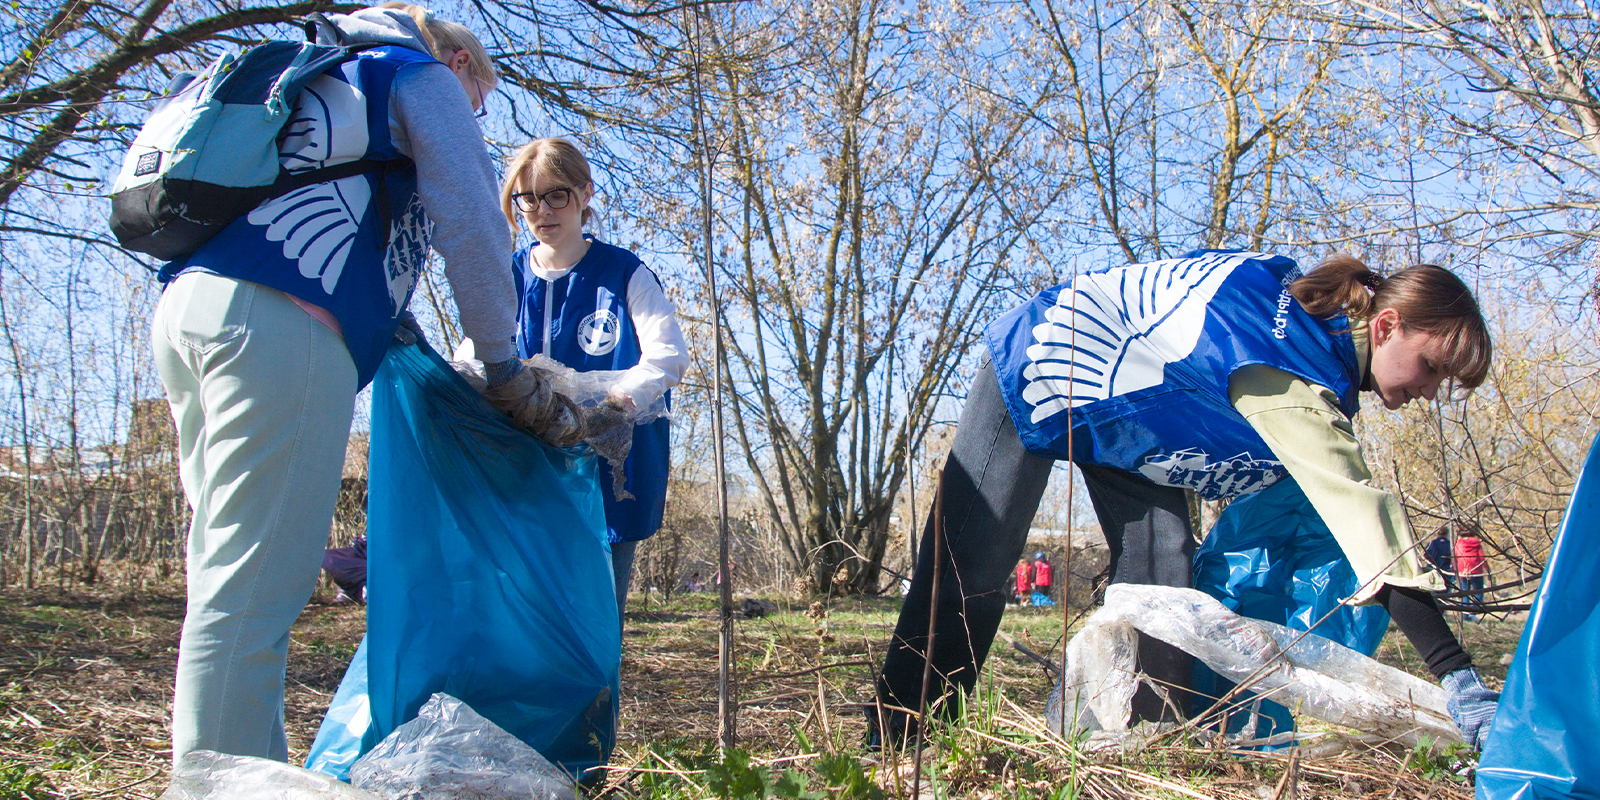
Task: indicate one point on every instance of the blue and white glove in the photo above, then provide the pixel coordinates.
(1471, 705)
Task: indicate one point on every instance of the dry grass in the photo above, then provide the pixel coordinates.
(86, 685)
(86, 676)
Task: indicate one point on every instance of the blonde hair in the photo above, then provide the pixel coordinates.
(1427, 298)
(554, 158)
(445, 39)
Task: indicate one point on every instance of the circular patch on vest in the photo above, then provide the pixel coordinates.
(598, 333)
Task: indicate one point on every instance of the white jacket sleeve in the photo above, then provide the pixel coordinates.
(663, 355)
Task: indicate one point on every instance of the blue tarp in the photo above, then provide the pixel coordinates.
(1271, 557)
(489, 576)
(1545, 740)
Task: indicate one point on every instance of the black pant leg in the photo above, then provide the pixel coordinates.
(1152, 542)
(991, 491)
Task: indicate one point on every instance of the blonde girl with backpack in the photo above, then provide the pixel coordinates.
(263, 337)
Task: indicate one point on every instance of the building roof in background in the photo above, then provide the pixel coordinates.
(1081, 536)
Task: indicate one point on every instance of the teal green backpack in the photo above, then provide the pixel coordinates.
(208, 151)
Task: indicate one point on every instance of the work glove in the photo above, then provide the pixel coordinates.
(499, 373)
(525, 394)
(1471, 705)
(608, 428)
(410, 331)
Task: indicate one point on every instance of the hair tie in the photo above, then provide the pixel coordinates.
(1372, 280)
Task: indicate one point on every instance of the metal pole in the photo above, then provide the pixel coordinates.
(727, 705)
(1066, 572)
(933, 621)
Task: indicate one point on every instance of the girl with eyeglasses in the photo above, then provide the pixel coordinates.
(594, 306)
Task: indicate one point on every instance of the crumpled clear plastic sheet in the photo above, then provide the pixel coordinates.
(1271, 557)
(586, 389)
(605, 427)
(449, 751)
(590, 389)
(1100, 664)
(1307, 673)
(205, 775)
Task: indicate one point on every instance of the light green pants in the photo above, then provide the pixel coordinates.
(262, 395)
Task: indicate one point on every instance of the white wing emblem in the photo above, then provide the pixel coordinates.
(329, 125)
(317, 225)
(1131, 322)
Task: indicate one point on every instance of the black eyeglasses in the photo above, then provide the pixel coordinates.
(556, 199)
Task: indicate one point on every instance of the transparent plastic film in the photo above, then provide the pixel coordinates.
(564, 406)
(451, 751)
(447, 751)
(1309, 674)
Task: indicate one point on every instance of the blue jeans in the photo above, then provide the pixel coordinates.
(622, 574)
(262, 395)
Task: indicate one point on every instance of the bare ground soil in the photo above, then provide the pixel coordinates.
(86, 677)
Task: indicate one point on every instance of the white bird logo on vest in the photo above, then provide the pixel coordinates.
(599, 332)
(318, 224)
(1131, 322)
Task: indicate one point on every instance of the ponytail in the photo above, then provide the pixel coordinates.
(1341, 284)
(1427, 298)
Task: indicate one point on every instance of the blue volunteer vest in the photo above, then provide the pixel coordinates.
(1141, 355)
(590, 329)
(322, 243)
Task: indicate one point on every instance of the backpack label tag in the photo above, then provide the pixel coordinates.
(148, 163)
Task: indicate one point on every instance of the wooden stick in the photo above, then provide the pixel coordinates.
(1066, 567)
(933, 621)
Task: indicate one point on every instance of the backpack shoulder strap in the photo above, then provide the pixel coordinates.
(320, 30)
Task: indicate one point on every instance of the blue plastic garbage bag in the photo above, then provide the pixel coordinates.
(489, 576)
(338, 742)
(1271, 557)
(1545, 739)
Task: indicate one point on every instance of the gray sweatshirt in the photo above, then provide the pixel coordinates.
(430, 121)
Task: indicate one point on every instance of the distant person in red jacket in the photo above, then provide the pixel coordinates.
(1024, 582)
(1471, 566)
(1041, 581)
